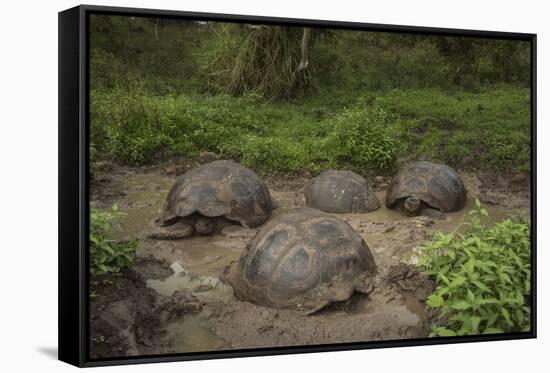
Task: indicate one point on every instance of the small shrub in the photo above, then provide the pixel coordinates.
(365, 139)
(108, 256)
(483, 279)
(274, 155)
(258, 60)
(507, 148)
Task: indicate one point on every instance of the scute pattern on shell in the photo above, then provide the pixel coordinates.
(436, 184)
(341, 191)
(220, 188)
(303, 260)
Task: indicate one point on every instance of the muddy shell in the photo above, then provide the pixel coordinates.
(220, 189)
(437, 185)
(302, 260)
(340, 191)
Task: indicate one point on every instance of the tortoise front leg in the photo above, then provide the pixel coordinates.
(411, 206)
(177, 231)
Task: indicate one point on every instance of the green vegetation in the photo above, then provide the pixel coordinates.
(364, 101)
(108, 256)
(259, 60)
(487, 129)
(286, 100)
(483, 279)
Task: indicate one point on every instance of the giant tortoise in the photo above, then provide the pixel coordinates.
(215, 192)
(341, 191)
(302, 260)
(426, 188)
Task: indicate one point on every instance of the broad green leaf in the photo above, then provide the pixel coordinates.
(457, 282)
(475, 320)
(469, 266)
(519, 315)
(492, 331)
(471, 297)
(506, 315)
(505, 277)
(435, 301)
(460, 305)
(480, 285)
(444, 332)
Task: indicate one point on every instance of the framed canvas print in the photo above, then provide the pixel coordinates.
(234, 186)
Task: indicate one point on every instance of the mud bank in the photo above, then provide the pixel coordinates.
(174, 300)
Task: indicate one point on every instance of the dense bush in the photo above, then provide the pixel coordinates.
(140, 128)
(483, 278)
(133, 127)
(106, 255)
(274, 154)
(259, 59)
(366, 139)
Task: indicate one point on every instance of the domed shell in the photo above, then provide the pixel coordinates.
(341, 192)
(302, 260)
(436, 184)
(220, 188)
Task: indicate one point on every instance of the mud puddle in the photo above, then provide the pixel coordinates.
(394, 310)
(193, 283)
(191, 334)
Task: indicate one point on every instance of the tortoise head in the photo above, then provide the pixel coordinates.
(204, 225)
(411, 206)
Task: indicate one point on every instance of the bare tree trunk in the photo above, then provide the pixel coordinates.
(304, 63)
(157, 29)
(300, 77)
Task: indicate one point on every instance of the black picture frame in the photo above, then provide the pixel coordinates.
(74, 184)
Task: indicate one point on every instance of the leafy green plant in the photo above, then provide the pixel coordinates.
(106, 255)
(483, 278)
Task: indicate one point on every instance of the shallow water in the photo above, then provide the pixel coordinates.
(184, 280)
(454, 222)
(190, 334)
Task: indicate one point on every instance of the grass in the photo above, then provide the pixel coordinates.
(488, 129)
(368, 132)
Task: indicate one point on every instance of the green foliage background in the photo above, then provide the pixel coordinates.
(163, 88)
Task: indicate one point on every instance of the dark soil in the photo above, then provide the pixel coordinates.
(121, 321)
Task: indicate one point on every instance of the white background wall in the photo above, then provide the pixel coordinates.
(28, 186)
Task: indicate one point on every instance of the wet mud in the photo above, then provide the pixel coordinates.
(174, 300)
